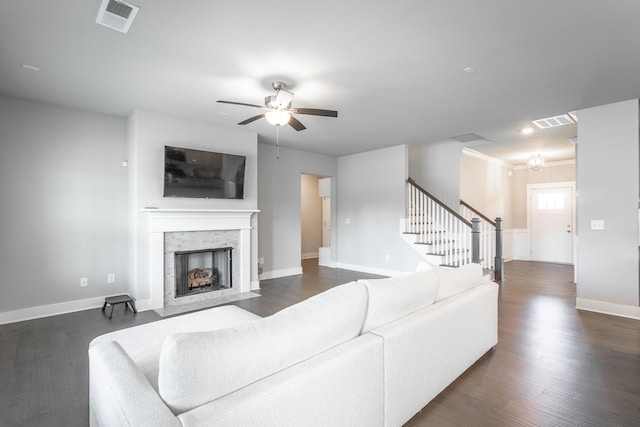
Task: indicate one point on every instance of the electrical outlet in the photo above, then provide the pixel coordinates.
(84, 282)
(111, 278)
(387, 258)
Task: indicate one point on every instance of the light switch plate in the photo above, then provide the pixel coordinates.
(597, 224)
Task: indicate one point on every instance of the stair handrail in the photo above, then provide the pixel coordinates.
(439, 202)
(477, 212)
(445, 231)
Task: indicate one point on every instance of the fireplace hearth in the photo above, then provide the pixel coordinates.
(201, 271)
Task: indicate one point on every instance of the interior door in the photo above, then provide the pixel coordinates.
(326, 222)
(551, 227)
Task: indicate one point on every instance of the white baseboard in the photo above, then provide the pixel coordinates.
(327, 263)
(370, 270)
(38, 312)
(630, 311)
(143, 304)
(274, 274)
(309, 255)
(255, 285)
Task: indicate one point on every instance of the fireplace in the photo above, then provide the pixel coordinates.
(204, 270)
(183, 230)
(201, 265)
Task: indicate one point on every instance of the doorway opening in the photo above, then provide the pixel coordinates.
(315, 218)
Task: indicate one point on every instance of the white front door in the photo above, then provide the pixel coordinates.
(551, 224)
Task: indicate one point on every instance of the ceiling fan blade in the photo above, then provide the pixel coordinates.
(316, 112)
(252, 119)
(241, 103)
(296, 124)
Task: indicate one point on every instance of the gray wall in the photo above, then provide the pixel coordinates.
(279, 203)
(607, 184)
(436, 168)
(371, 195)
(63, 204)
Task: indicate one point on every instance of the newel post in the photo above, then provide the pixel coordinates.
(475, 240)
(499, 261)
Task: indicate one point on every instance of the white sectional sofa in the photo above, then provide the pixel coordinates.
(366, 353)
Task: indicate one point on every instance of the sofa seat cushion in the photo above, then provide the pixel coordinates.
(144, 342)
(198, 367)
(395, 297)
(453, 281)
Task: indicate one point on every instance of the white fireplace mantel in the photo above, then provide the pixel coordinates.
(167, 220)
(160, 221)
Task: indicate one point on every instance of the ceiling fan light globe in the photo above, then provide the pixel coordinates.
(277, 117)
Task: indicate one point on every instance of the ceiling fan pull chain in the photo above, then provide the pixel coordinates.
(277, 142)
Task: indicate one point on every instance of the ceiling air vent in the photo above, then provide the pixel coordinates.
(550, 122)
(471, 139)
(117, 15)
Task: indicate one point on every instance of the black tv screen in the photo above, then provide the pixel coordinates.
(203, 174)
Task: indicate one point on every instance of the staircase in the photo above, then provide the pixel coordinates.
(445, 237)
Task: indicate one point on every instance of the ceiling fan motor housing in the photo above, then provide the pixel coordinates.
(281, 100)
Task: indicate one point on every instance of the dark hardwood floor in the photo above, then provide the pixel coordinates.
(553, 365)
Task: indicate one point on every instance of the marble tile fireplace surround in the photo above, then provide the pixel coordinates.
(174, 230)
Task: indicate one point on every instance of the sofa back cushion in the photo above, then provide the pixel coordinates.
(395, 297)
(456, 280)
(199, 367)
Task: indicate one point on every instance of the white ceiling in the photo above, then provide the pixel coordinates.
(393, 70)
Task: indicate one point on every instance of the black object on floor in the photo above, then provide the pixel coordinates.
(120, 299)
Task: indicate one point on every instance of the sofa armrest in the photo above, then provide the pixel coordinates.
(120, 394)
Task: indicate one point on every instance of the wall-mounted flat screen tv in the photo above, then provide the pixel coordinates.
(203, 174)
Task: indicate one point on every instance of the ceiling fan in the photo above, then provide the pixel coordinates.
(278, 109)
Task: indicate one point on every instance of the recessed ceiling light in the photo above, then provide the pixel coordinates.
(30, 67)
(469, 70)
(223, 113)
(527, 130)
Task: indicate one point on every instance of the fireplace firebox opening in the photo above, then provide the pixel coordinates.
(204, 270)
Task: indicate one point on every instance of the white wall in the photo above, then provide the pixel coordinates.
(436, 168)
(148, 134)
(311, 215)
(608, 187)
(279, 203)
(63, 208)
(371, 197)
